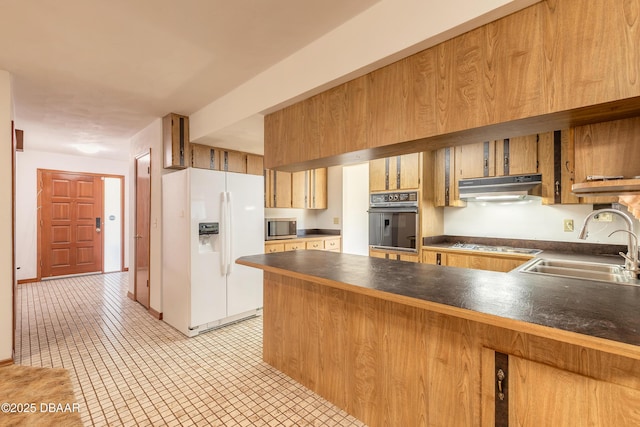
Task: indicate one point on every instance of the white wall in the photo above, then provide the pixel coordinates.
(529, 220)
(27, 164)
(325, 217)
(355, 203)
(6, 223)
(149, 138)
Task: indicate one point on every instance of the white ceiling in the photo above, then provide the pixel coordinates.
(97, 72)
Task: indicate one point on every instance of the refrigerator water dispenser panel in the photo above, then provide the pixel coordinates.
(208, 228)
(208, 233)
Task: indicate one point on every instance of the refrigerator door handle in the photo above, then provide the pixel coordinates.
(224, 231)
(229, 236)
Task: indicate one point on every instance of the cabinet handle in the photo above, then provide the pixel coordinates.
(557, 188)
(500, 375)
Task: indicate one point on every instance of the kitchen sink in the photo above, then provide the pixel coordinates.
(581, 270)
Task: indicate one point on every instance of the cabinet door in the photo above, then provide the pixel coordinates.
(409, 257)
(318, 188)
(297, 246)
(317, 245)
(608, 149)
(475, 160)
(205, 157)
(175, 141)
(434, 257)
(517, 156)
(300, 189)
(409, 172)
(333, 244)
(270, 248)
(377, 254)
(378, 175)
(233, 161)
(277, 189)
(528, 384)
(255, 164)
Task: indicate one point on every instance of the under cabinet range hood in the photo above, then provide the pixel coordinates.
(498, 188)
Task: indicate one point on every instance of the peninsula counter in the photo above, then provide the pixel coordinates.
(397, 343)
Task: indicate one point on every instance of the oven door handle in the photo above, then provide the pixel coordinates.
(392, 210)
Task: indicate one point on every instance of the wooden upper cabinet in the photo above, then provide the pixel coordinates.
(401, 100)
(607, 149)
(590, 47)
(309, 189)
(233, 161)
(343, 124)
(255, 164)
(548, 60)
(205, 157)
(395, 173)
(465, 98)
(475, 160)
(514, 64)
(277, 189)
(445, 181)
(175, 141)
(517, 156)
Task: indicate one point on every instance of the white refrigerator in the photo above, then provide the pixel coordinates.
(209, 219)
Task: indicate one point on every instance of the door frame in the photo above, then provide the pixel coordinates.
(40, 171)
(134, 296)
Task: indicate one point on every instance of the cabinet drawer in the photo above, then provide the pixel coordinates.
(294, 246)
(332, 245)
(273, 247)
(315, 244)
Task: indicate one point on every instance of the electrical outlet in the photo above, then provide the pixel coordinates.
(336, 220)
(604, 217)
(568, 225)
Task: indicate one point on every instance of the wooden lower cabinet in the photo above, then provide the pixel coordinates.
(474, 260)
(537, 393)
(324, 243)
(392, 364)
(398, 256)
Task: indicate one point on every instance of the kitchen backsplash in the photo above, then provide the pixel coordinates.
(530, 219)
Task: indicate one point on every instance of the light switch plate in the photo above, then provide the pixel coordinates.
(336, 220)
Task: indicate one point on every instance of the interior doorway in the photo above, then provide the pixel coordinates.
(143, 228)
(74, 226)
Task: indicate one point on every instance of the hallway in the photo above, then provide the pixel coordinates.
(129, 369)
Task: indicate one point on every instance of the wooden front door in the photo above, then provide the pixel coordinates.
(143, 213)
(70, 221)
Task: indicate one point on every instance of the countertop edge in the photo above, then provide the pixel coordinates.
(576, 338)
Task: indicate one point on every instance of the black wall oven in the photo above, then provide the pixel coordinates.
(393, 221)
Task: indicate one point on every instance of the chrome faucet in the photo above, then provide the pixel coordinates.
(631, 261)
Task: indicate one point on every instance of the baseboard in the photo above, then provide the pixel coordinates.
(21, 281)
(155, 313)
(7, 362)
(131, 296)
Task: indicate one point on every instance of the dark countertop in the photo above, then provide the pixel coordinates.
(585, 309)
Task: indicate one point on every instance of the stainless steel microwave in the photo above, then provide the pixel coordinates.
(280, 228)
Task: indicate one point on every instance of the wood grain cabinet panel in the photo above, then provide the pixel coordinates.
(343, 126)
(515, 64)
(205, 157)
(386, 102)
(175, 141)
(517, 156)
(609, 149)
(465, 96)
(592, 52)
(395, 173)
(255, 164)
(277, 189)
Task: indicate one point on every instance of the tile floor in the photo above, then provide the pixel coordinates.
(129, 369)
